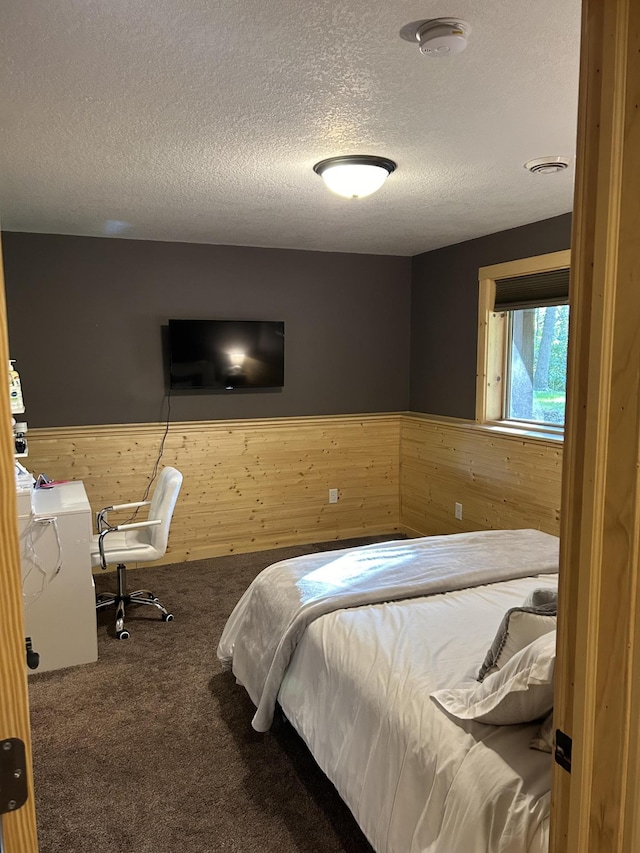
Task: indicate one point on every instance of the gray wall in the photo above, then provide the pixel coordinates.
(86, 318)
(444, 312)
(86, 314)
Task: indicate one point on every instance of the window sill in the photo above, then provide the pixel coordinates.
(505, 428)
(529, 431)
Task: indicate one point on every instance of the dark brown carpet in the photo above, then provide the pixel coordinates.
(151, 750)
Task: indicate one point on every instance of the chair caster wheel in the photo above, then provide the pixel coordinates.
(122, 635)
(167, 617)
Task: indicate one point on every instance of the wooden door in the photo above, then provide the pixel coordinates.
(596, 808)
(19, 827)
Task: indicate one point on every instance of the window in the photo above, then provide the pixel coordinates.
(522, 343)
(536, 367)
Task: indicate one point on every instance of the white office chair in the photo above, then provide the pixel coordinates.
(138, 542)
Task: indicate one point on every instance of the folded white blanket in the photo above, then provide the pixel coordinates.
(261, 634)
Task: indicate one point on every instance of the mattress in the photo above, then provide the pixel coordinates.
(357, 691)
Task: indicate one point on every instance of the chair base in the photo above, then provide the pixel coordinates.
(121, 599)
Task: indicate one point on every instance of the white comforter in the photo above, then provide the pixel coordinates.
(417, 781)
(267, 623)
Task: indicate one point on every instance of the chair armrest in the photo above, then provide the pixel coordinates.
(128, 506)
(133, 524)
(104, 533)
(101, 516)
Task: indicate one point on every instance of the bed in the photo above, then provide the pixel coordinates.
(368, 650)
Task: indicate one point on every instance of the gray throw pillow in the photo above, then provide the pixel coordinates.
(543, 600)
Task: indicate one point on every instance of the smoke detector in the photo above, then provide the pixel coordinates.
(442, 37)
(547, 165)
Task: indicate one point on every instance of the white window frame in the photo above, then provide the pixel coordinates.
(493, 340)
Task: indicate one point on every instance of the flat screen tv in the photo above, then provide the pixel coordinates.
(226, 354)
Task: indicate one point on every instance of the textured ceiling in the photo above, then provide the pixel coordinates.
(200, 120)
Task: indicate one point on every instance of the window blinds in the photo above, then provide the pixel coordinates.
(532, 291)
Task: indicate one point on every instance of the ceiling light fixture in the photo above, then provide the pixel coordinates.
(547, 165)
(354, 175)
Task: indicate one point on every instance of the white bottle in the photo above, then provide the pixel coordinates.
(15, 390)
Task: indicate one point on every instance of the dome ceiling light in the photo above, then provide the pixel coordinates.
(547, 165)
(354, 175)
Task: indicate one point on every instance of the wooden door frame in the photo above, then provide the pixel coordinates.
(19, 827)
(595, 808)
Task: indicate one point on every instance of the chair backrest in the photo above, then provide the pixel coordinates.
(163, 503)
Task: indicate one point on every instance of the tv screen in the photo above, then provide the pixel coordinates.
(226, 354)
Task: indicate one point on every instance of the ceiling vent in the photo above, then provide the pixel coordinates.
(442, 37)
(547, 165)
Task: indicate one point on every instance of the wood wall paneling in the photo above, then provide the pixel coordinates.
(502, 481)
(254, 485)
(248, 485)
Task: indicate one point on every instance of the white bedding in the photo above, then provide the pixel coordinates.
(357, 691)
(262, 632)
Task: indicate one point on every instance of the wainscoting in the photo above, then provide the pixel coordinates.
(251, 485)
(501, 480)
(248, 485)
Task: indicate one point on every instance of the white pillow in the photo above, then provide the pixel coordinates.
(518, 628)
(520, 692)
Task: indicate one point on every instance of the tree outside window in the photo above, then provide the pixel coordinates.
(537, 364)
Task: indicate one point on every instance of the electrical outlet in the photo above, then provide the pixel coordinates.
(333, 496)
(458, 511)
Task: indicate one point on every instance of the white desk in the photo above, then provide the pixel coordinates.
(58, 588)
